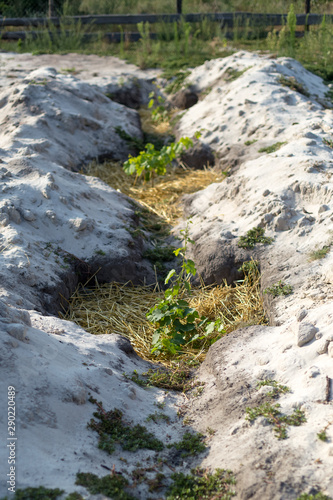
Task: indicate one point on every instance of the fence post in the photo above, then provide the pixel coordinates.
(51, 8)
(179, 6)
(307, 11)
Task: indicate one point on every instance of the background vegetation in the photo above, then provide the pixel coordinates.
(20, 8)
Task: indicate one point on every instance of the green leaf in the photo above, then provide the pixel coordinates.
(210, 328)
(156, 337)
(170, 275)
(178, 250)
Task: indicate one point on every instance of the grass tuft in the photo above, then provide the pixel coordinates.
(320, 253)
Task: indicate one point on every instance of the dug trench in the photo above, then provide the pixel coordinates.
(58, 366)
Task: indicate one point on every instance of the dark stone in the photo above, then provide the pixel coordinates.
(126, 347)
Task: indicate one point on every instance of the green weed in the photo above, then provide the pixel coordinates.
(279, 288)
(328, 142)
(322, 435)
(293, 84)
(74, 496)
(248, 143)
(201, 484)
(38, 493)
(277, 388)
(158, 417)
(254, 236)
(160, 254)
(112, 430)
(276, 418)
(319, 254)
(160, 405)
(272, 148)
(232, 74)
(112, 485)
(135, 142)
(317, 496)
(190, 445)
(100, 252)
(177, 80)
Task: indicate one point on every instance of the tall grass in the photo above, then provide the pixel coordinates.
(313, 50)
(69, 36)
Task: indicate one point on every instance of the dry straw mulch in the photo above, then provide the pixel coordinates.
(121, 309)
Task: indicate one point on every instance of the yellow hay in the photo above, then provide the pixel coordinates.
(163, 198)
(121, 309)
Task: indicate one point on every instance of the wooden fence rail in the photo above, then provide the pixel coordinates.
(226, 20)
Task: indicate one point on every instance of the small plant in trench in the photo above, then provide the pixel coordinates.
(276, 418)
(112, 430)
(113, 485)
(177, 323)
(151, 161)
(254, 236)
(190, 445)
(202, 484)
(159, 112)
(279, 288)
(272, 148)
